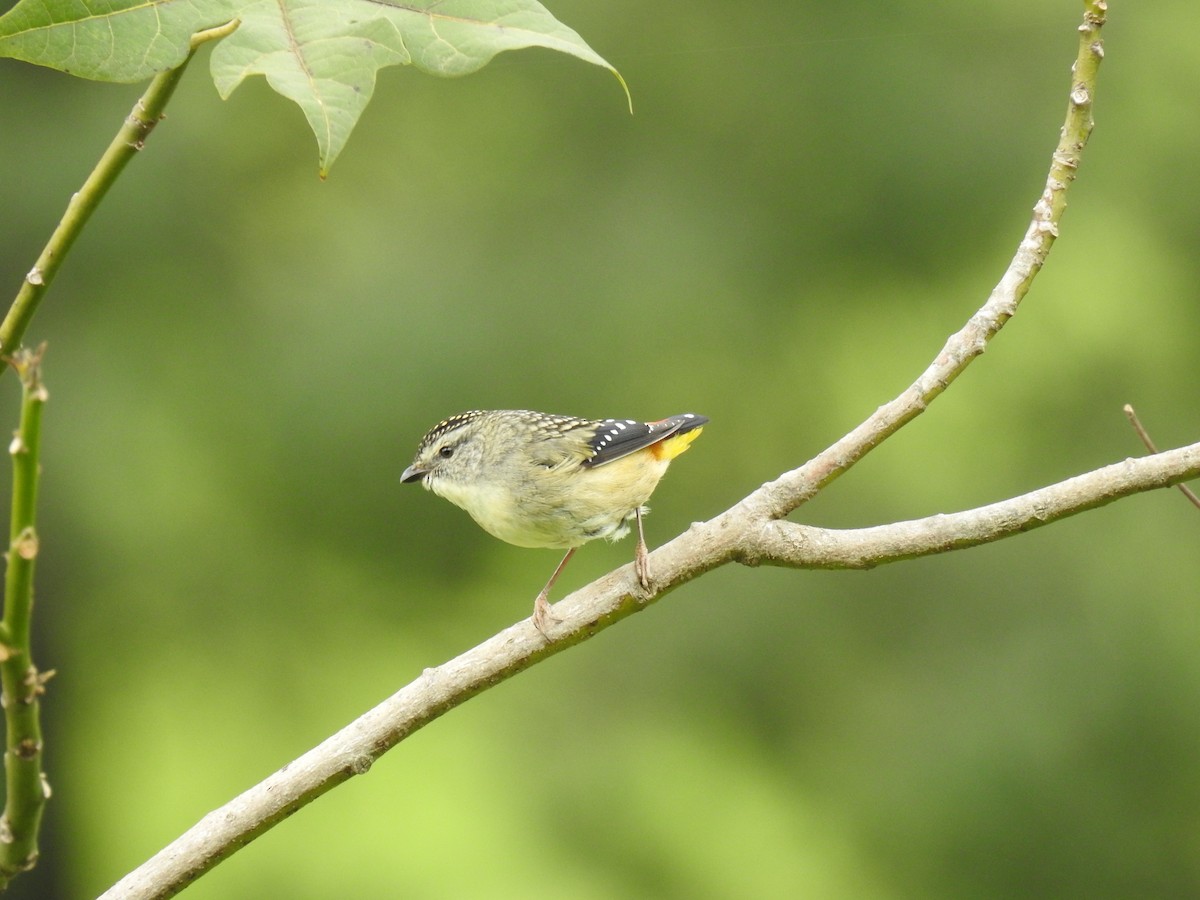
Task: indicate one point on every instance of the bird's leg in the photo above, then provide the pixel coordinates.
(641, 561)
(542, 616)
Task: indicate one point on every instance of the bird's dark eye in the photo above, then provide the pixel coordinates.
(446, 451)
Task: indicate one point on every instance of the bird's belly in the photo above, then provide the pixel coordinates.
(566, 508)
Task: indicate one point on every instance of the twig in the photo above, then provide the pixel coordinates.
(804, 546)
(130, 139)
(1145, 436)
(26, 786)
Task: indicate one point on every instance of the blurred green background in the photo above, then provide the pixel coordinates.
(807, 200)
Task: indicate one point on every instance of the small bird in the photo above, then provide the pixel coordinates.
(540, 480)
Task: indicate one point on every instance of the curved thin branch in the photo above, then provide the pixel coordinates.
(793, 488)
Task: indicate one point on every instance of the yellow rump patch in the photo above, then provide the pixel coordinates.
(674, 445)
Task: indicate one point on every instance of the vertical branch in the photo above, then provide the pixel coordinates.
(26, 786)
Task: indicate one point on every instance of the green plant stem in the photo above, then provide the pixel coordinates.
(26, 786)
(130, 139)
(22, 684)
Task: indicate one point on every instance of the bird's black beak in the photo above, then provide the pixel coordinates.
(411, 474)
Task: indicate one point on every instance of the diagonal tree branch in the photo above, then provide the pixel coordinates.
(751, 532)
(732, 535)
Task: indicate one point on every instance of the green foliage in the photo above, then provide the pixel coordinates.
(321, 54)
(108, 40)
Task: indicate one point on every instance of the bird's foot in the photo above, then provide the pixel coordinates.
(543, 615)
(641, 568)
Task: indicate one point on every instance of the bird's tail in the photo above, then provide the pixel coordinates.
(669, 448)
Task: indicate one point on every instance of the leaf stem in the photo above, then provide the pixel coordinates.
(131, 137)
(26, 786)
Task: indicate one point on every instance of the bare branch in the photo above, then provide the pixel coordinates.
(803, 546)
(734, 535)
(793, 488)
(1145, 436)
(750, 532)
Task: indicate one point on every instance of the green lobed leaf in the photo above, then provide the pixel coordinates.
(108, 40)
(323, 54)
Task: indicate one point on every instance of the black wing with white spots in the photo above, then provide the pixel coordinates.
(615, 438)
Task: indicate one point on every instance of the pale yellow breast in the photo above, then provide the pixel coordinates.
(564, 507)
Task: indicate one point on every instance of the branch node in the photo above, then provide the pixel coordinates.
(36, 681)
(27, 749)
(26, 544)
